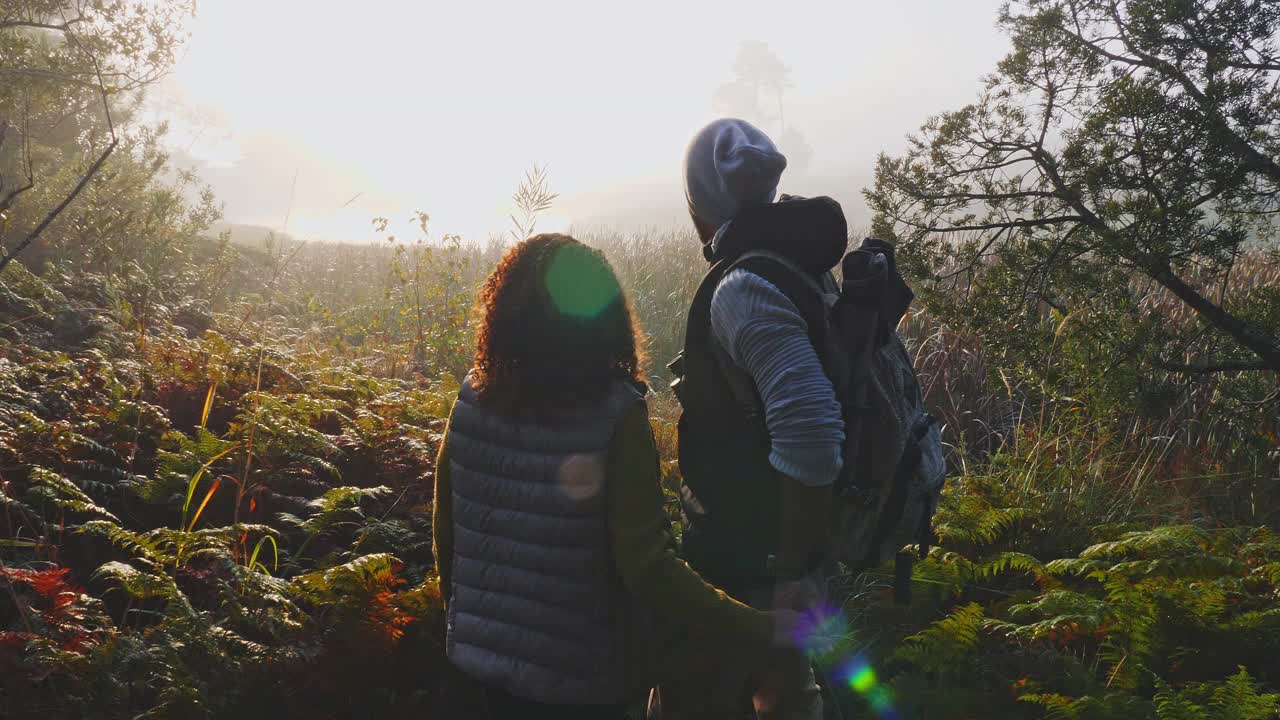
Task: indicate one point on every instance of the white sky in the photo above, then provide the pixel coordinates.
(441, 106)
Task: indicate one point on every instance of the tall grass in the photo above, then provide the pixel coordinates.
(660, 271)
(366, 302)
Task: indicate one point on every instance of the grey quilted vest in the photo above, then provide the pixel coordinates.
(537, 607)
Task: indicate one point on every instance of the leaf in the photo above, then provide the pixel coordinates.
(208, 403)
(191, 486)
(275, 549)
(207, 496)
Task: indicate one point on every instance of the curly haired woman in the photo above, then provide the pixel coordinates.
(554, 551)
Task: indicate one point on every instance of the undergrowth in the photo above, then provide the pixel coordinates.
(222, 509)
(196, 523)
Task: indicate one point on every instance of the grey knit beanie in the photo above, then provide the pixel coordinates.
(730, 164)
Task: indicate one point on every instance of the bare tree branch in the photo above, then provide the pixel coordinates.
(29, 171)
(977, 197)
(1022, 223)
(7, 257)
(1261, 344)
(57, 210)
(34, 25)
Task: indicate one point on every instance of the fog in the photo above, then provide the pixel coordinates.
(327, 114)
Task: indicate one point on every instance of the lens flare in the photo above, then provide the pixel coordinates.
(581, 476)
(827, 628)
(580, 283)
(824, 623)
(864, 681)
(858, 674)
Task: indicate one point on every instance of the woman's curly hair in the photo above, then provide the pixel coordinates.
(556, 331)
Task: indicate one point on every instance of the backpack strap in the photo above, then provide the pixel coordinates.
(782, 260)
(801, 287)
(741, 386)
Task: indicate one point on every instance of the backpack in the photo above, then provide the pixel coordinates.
(894, 469)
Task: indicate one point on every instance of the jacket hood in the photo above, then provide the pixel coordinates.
(811, 232)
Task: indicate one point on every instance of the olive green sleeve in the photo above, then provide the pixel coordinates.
(644, 548)
(442, 518)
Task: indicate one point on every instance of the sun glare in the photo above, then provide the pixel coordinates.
(442, 107)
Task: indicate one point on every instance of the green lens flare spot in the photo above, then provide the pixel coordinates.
(863, 681)
(580, 283)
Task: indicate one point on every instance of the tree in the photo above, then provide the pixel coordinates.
(757, 69)
(1122, 147)
(66, 67)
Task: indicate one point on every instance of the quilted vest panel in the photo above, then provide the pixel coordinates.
(536, 605)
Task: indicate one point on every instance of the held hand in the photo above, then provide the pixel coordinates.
(800, 631)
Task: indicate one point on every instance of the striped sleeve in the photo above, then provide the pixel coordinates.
(764, 334)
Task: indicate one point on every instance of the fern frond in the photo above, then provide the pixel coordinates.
(1163, 541)
(359, 577)
(1239, 698)
(316, 464)
(143, 545)
(971, 520)
(337, 506)
(1171, 705)
(1108, 705)
(1060, 615)
(143, 585)
(1009, 561)
(944, 642)
(63, 493)
(1192, 567)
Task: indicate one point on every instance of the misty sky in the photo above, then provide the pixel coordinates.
(441, 106)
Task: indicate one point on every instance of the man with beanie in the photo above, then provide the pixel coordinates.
(758, 475)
